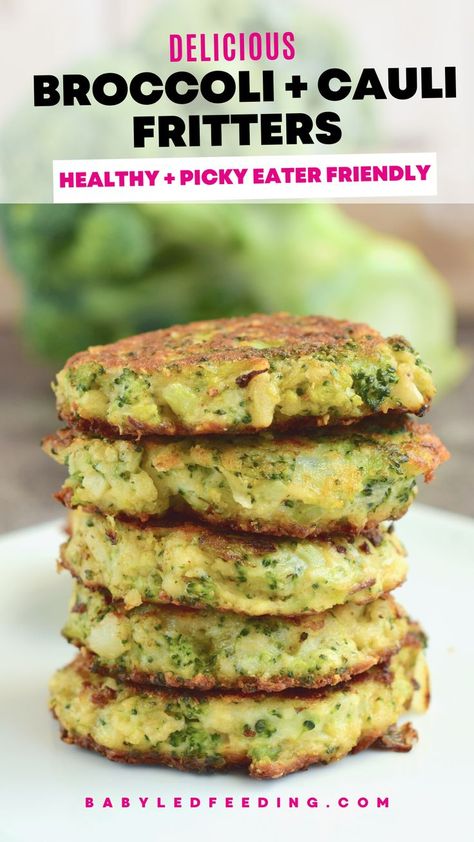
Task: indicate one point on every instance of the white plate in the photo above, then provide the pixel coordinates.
(44, 782)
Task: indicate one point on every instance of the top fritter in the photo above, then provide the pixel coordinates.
(242, 374)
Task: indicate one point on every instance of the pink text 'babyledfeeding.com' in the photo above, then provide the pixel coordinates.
(230, 802)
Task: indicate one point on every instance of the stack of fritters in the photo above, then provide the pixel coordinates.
(231, 485)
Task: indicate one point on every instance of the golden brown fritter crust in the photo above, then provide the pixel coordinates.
(181, 346)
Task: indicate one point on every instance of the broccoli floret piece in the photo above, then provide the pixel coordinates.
(374, 388)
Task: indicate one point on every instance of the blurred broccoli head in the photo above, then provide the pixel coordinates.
(97, 273)
(112, 244)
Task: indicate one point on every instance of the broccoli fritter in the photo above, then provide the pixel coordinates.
(192, 565)
(343, 481)
(242, 374)
(169, 646)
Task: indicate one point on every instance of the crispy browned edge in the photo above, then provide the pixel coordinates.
(244, 684)
(233, 546)
(382, 423)
(136, 430)
(398, 738)
(149, 352)
(288, 530)
(381, 672)
(425, 437)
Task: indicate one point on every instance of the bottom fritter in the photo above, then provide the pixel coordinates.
(272, 735)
